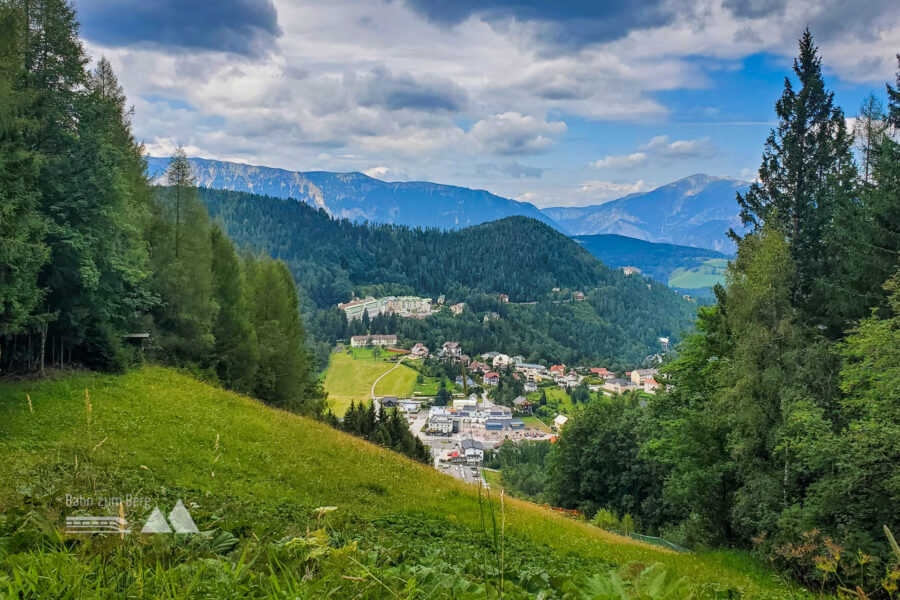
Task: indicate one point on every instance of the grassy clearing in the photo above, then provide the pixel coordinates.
(557, 399)
(429, 387)
(258, 475)
(349, 378)
(707, 274)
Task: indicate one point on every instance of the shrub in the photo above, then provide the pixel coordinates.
(605, 519)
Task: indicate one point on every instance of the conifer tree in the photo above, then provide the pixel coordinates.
(181, 246)
(806, 175)
(868, 131)
(285, 377)
(236, 353)
(22, 228)
(867, 233)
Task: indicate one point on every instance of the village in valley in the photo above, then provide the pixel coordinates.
(459, 405)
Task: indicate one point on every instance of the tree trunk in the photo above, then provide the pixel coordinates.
(43, 346)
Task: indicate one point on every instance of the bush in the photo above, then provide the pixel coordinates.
(627, 525)
(605, 519)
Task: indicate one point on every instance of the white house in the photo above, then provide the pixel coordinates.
(420, 350)
(559, 421)
(473, 450)
(451, 350)
(440, 424)
(363, 341)
(501, 361)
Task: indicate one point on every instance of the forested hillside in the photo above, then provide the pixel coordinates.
(620, 321)
(98, 268)
(779, 428)
(655, 260)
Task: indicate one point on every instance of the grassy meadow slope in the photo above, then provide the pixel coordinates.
(255, 476)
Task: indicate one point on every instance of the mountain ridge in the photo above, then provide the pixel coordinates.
(697, 211)
(359, 197)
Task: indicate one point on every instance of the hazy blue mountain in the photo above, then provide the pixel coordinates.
(694, 211)
(682, 267)
(358, 197)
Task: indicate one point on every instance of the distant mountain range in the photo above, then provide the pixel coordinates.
(358, 197)
(694, 211)
(689, 269)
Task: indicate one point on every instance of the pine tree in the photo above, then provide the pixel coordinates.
(893, 94)
(867, 233)
(91, 188)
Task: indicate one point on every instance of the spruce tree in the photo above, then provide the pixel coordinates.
(806, 175)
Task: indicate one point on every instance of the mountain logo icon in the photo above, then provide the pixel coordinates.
(179, 517)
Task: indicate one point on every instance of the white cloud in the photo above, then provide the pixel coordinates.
(626, 161)
(608, 189)
(661, 146)
(513, 133)
(749, 174)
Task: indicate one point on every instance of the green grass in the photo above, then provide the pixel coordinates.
(493, 478)
(429, 387)
(535, 423)
(257, 474)
(399, 382)
(556, 396)
(349, 378)
(707, 274)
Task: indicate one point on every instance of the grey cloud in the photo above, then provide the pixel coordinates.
(569, 23)
(755, 8)
(403, 91)
(246, 27)
(827, 19)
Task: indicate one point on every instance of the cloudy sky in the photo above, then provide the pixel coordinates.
(556, 103)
